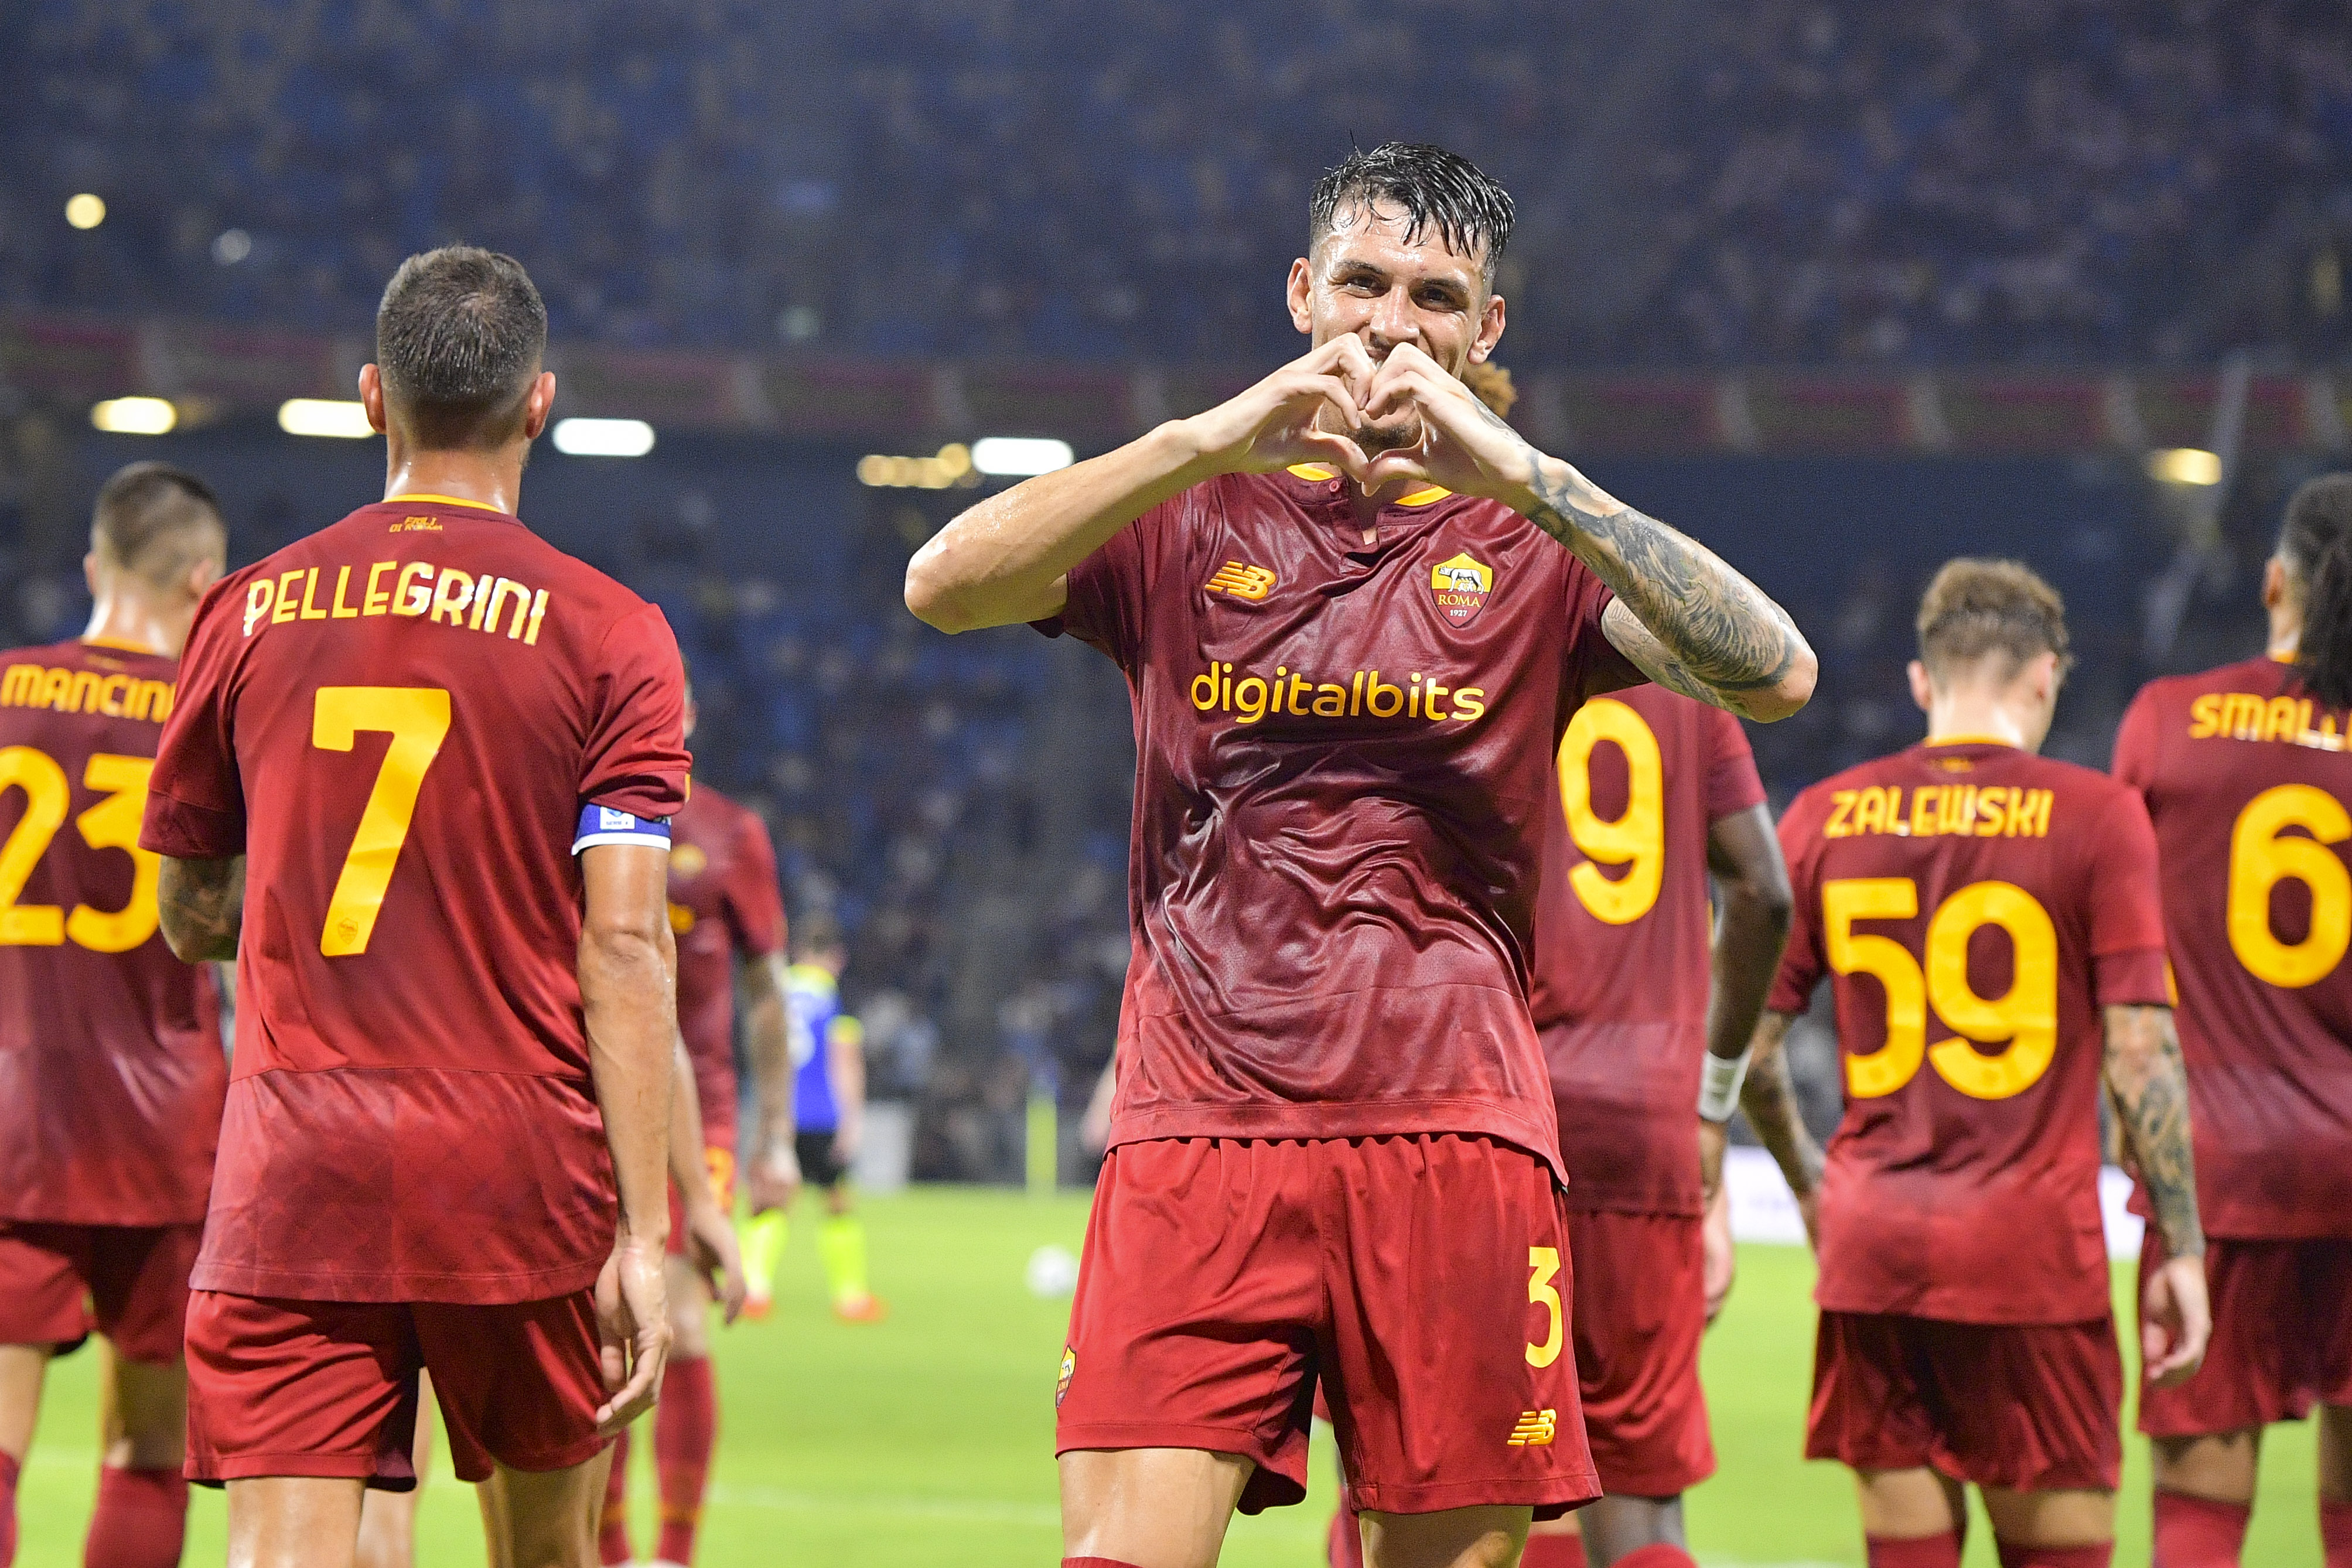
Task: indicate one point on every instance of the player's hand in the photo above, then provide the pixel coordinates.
(1274, 423)
(717, 1256)
(1720, 1262)
(774, 1178)
(2176, 1322)
(633, 1331)
(1465, 445)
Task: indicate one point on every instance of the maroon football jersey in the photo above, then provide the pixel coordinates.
(1343, 749)
(2247, 779)
(397, 722)
(110, 1063)
(723, 902)
(1975, 907)
(1623, 933)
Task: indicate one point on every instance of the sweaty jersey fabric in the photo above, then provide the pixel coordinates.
(111, 1071)
(397, 721)
(812, 1001)
(1343, 748)
(1623, 933)
(723, 903)
(2247, 780)
(1976, 906)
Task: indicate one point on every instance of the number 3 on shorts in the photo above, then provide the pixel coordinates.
(1543, 1267)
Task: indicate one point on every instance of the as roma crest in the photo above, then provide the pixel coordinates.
(1460, 587)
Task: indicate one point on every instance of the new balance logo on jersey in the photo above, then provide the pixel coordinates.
(1250, 583)
(1535, 1429)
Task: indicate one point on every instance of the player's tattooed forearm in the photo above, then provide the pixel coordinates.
(1699, 627)
(200, 903)
(2150, 1090)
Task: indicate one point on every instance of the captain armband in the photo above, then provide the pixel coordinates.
(604, 825)
(1720, 1081)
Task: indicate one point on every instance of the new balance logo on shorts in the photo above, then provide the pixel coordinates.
(1535, 1429)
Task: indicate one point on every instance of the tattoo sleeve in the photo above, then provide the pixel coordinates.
(1687, 621)
(2150, 1090)
(201, 905)
(1769, 1099)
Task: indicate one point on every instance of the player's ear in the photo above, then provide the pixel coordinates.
(2274, 583)
(89, 572)
(1300, 293)
(201, 575)
(372, 396)
(1490, 330)
(1923, 691)
(537, 403)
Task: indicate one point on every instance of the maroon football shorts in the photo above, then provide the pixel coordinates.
(719, 1160)
(2282, 1337)
(1425, 1278)
(130, 1282)
(329, 1388)
(1641, 1310)
(2025, 1406)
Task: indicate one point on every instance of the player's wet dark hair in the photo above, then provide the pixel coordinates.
(459, 339)
(1976, 609)
(2316, 547)
(1431, 187)
(157, 521)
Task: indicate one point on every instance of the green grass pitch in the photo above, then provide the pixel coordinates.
(929, 1438)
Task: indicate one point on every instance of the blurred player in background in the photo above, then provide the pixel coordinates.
(111, 1073)
(1334, 1146)
(2244, 771)
(447, 754)
(728, 919)
(1991, 924)
(828, 1106)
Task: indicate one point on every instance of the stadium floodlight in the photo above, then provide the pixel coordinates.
(134, 415)
(604, 437)
(323, 417)
(1018, 456)
(86, 211)
(2185, 466)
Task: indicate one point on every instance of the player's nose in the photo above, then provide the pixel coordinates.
(1394, 321)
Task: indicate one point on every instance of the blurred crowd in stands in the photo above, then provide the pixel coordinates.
(1700, 182)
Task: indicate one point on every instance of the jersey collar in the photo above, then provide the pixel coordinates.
(1321, 474)
(1943, 740)
(120, 646)
(443, 501)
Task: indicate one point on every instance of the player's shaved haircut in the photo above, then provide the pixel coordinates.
(2316, 547)
(1433, 188)
(459, 339)
(157, 522)
(1975, 609)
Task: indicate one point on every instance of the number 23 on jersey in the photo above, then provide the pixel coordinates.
(2022, 1020)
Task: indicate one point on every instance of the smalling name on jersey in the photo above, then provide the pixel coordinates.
(86, 690)
(2242, 715)
(1993, 811)
(1254, 697)
(438, 593)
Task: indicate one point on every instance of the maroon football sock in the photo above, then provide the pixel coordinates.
(612, 1532)
(140, 1522)
(8, 1468)
(2098, 1554)
(2198, 1532)
(1657, 1554)
(1345, 1549)
(1913, 1550)
(685, 1428)
(2335, 1533)
(1554, 1552)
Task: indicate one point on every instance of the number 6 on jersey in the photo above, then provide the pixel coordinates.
(417, 720)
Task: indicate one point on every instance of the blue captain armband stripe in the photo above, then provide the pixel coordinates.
(604, 825)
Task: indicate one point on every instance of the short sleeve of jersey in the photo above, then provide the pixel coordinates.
(1733, 785)
(2135, 762)
(1105, 609)
(1801, 962)
(2127, 906)
(196, 800)
(755, 910)
(635, 760)
(1604, 668)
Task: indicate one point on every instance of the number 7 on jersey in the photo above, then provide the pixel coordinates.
(417, 720)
